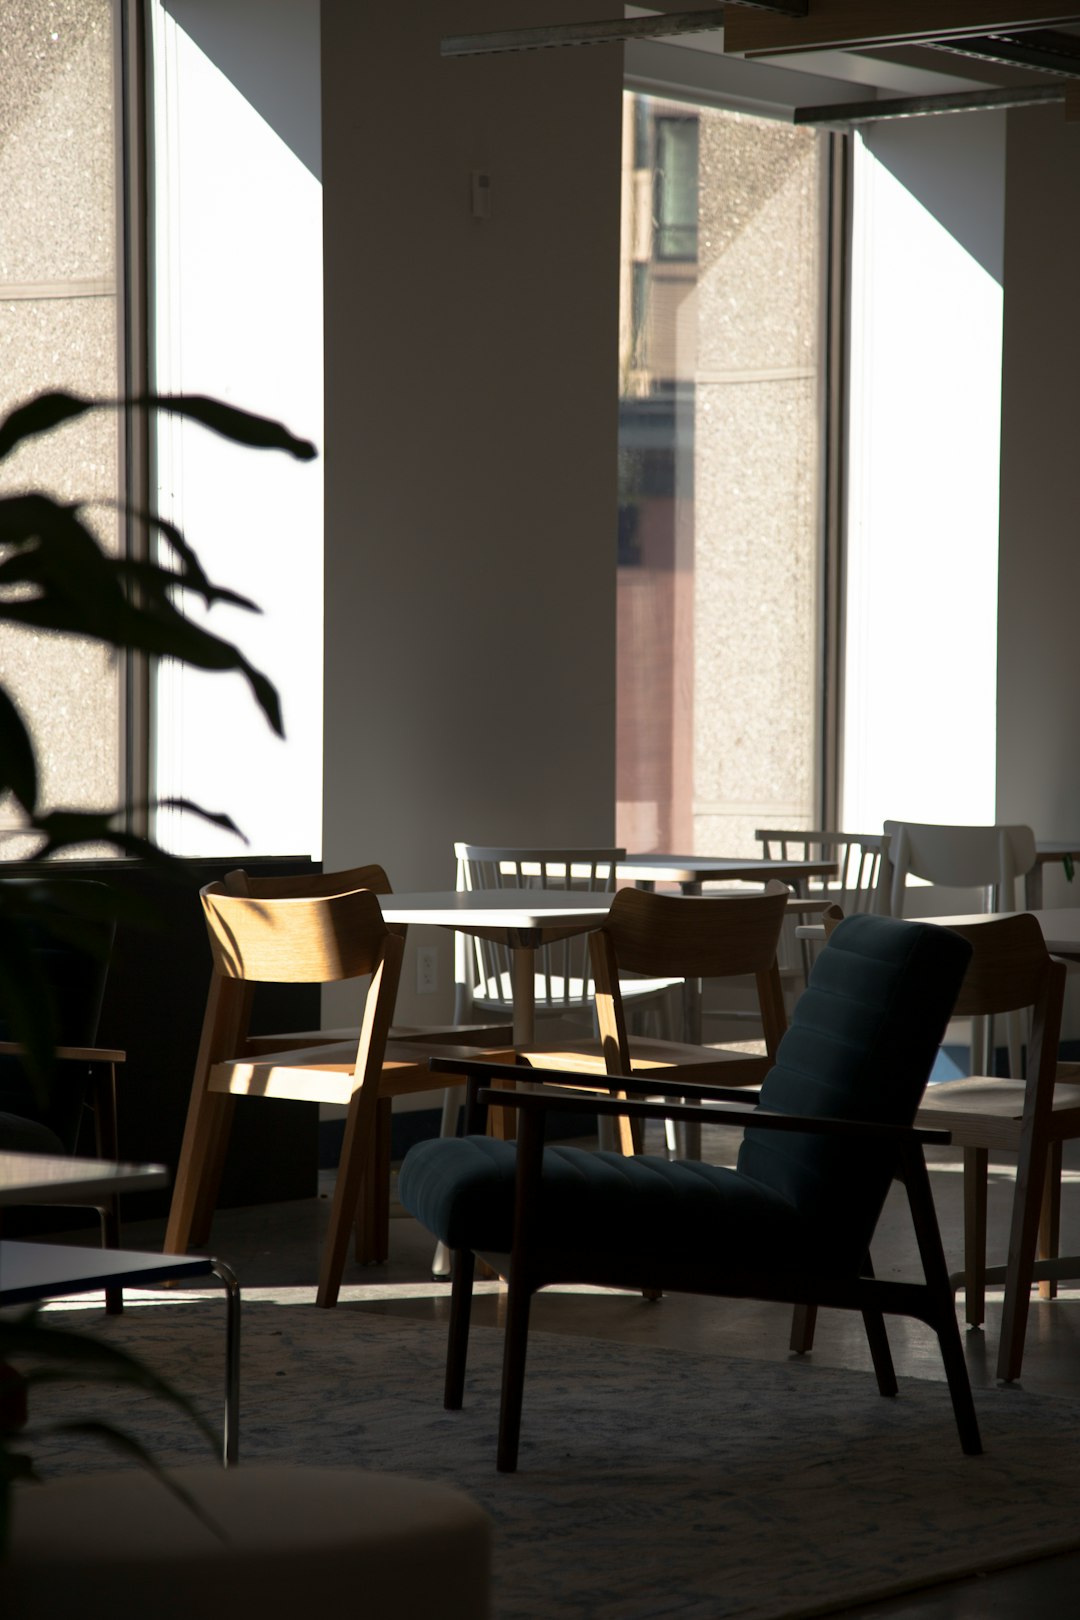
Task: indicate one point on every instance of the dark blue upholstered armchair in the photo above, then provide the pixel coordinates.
(792, 1222)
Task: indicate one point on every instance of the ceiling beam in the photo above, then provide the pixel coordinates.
(869, 112)
(864, 24)
(1043, 50)
(547, 36)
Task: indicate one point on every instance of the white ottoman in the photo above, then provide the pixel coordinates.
(119, 1546)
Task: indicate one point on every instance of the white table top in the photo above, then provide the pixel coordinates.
(30, 1271)
(498, 908)
(663, 868)
(40, 1178)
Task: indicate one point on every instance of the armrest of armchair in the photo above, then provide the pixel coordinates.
(646, 1085)
(80, 1054)
(729, 1113)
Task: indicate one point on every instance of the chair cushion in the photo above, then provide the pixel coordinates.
(861, 1044)
(462, 1190)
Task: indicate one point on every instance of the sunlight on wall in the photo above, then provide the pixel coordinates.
(238, 251)
(921, 611)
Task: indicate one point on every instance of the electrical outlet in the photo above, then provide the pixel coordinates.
(427, 969)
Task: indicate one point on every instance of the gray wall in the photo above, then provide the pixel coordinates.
(1039, 605)
(471, 392)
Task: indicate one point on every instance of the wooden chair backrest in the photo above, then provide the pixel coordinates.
(693, 936)
(309, 884)
(1010, 967)
(687, 936)
(304, 939)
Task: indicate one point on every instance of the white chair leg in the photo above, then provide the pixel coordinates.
(978, 1046)
(440, 1263)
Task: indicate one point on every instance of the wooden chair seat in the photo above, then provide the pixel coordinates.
(981, 1111)
(733, 1064)
(327, 1073)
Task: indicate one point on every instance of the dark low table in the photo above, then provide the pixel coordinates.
(36, 1271)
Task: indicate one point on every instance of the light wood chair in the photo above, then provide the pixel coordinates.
(311, 939)
(692, 937)
(987, 858)
(1010, 969)
(373, 877)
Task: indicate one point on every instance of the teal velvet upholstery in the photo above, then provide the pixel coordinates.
(463, 1191)
(862, 1043)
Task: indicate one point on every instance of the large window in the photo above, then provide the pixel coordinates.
(920, 703)
(60, 328)
(233, 309)
(720, 522)
(237, 275)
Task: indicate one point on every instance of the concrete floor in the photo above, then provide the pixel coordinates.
(278, 1245)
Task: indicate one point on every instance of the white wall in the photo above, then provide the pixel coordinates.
(1039, 668)
(471, 392)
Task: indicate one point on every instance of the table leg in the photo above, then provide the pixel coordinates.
(231, 1439)
(1033, 888)
(524, 967)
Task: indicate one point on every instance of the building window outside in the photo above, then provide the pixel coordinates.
(60, 328)
(676, 188)
(721, 403)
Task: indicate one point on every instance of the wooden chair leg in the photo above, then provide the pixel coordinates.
(878, 1340)
(976, 1169)
(206, 1203)
(803, 1323)
(106, 1141)
(942, 1315)
(529, 1169)
(1020, 1263)
(198, 1174)
(209, 1118)
(515, 1348)
(464, 1266)
(502, 1122)
(1050, 1224)
(356, 1155)
(373, 1208)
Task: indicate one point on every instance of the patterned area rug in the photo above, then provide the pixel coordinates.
(650, 1483)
